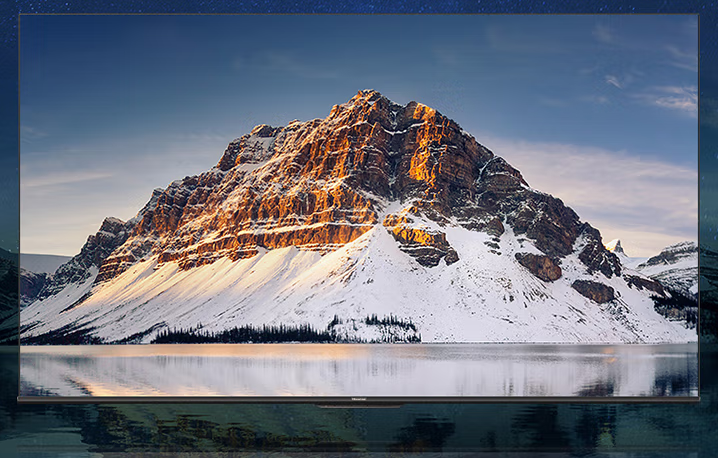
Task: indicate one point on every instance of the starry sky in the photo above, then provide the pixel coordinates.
(600, 111)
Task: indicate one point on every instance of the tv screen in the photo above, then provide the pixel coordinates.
(358, 208)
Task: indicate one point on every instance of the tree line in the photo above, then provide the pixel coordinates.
(246, 334)
(277, 333)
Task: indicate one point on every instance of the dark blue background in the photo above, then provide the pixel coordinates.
(566, 430)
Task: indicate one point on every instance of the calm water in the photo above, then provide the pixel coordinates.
(332, 370)
(567, 430)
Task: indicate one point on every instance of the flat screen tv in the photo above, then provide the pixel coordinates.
(358, 209)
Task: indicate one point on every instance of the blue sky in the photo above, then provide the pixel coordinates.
(597, 110)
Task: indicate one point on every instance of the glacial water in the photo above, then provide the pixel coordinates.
(357, 370)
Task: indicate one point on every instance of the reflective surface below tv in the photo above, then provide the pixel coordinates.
(328, 370)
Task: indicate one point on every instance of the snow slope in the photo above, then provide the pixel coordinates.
(484, 297)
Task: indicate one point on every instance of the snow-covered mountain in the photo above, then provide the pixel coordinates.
(676, 267)
(381, 222)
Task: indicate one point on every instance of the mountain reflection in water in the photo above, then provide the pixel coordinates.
(494, 430)
(361, 370)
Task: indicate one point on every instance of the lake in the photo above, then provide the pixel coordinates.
(361, 370)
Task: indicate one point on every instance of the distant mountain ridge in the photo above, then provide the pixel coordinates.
(379, 209)
(675, 267)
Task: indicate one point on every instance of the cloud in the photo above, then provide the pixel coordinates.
(625, 80)
(683, 99)
(687, 60)
(30, 180)
(613, 80)
(646, 203)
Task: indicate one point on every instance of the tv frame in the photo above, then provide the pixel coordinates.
(369, 401)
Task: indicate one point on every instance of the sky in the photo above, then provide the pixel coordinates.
(600, 111)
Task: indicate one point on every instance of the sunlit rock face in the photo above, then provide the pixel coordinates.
(320, 184)
(427, 246)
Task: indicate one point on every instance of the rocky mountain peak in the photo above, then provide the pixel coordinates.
(614, 246)
(112, 225)
(320, 184)
(264, 131)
